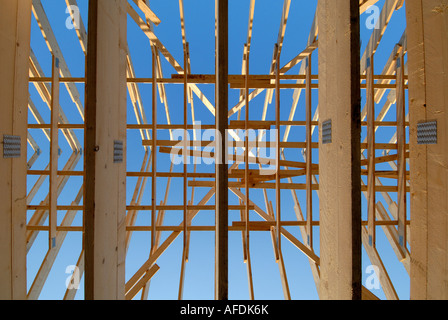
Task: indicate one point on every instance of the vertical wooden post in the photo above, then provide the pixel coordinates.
(105, 176)
(185, 151)
(15, 26)
(154, 148)
(222, 173)
(427, 26)
(371, 180)
(246, 152)
(340, 157)
(185, 155)
(246, 178)
(309, 156)
(401, 152)
(54, 154)
(277, 150)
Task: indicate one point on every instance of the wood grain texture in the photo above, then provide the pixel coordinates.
(427, 56)
(104, 241)
(15, 25)
(340, 185)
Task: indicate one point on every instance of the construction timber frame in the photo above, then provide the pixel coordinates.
(348, 190)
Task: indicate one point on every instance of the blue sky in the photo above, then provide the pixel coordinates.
(199, 15)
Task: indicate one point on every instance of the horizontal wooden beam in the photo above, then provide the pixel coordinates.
(285, 186)
(234, 227)
(234, 124)
(236, 174)
(205, 79)
(237, 144)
